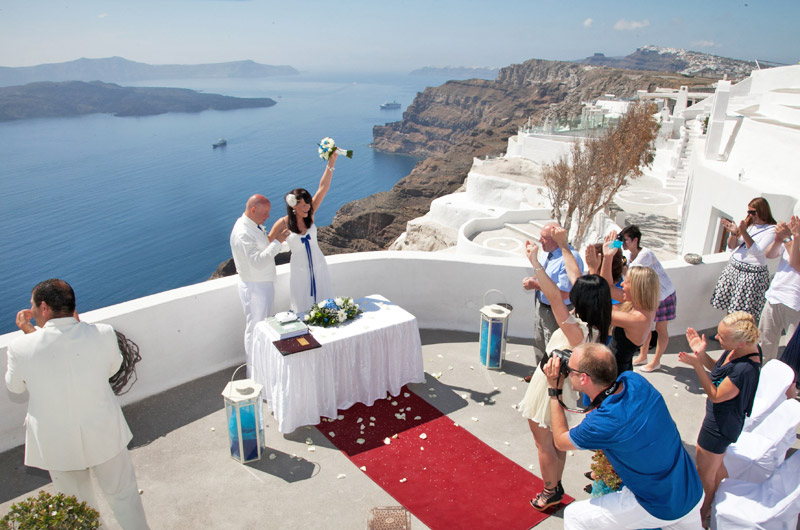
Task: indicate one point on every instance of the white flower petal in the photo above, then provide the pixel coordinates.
(423, 436)
(403, 479)
(341, 475)
(387, 441)
(363, 468)
(360, 441)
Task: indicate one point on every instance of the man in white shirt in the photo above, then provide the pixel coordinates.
(782, 310)
(254, 255)
(75, 427)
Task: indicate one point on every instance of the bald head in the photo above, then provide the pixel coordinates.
(546, 236)
(596, 361)
(257, 208)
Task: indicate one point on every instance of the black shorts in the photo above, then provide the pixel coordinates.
(712, 440)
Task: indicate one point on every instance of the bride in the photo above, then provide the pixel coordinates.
(309, 281)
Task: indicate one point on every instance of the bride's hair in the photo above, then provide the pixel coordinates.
(300, 194)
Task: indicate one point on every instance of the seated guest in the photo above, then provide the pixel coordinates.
(731, 389)
(630, 422)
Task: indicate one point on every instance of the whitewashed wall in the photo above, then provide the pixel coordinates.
(196, 330)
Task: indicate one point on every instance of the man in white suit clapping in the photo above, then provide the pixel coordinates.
(74, 422)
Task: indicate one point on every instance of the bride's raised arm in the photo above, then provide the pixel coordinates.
(324, 182)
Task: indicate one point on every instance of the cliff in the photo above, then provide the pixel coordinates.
(74, 98)
(449, 125)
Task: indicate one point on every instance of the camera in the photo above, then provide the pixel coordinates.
(563, 356)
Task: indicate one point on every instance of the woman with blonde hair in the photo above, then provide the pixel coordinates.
(731, 389)
(745, 278)
(633, 319)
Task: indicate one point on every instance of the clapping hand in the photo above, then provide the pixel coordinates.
(696, 342)
(742, 227)
(782, 232)
(559, 235)
(730, 227)
(593, 259)
(608, 250)
(794, 226)
(532, 251)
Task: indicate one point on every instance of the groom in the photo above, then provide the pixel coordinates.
(254, 255)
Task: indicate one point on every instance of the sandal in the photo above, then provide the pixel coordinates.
(548, 497)
(588, 475)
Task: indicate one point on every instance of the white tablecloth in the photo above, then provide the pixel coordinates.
(358, 362)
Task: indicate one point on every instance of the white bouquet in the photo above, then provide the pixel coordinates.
(327, 147)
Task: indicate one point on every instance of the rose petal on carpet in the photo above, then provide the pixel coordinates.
(444, 475)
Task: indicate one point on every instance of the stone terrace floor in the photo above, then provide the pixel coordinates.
(180, 448)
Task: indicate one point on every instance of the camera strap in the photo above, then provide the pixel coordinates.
(599, 398)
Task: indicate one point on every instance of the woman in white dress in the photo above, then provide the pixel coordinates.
(591, 298)
(309, 280)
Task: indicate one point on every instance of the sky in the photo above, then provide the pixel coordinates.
(380, 36)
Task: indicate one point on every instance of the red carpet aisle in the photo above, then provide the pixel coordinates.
(440, 472)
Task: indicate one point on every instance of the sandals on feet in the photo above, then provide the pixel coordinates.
(547, 498)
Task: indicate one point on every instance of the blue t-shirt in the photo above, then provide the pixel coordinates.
(637, 434)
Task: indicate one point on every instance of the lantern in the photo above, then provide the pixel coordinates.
(494, 329)
(243, 407)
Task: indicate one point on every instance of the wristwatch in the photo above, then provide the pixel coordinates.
(553, 392)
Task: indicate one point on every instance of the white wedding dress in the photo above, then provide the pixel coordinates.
(309, 280)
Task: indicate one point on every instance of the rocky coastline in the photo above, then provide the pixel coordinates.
(446, 127)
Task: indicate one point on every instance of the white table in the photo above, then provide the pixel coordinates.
(359, 361)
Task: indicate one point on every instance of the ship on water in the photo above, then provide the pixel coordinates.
(391, 106)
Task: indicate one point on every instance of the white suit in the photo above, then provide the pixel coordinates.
(74, 420)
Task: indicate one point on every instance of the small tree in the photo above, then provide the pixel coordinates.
(584, 181)
(50, 512)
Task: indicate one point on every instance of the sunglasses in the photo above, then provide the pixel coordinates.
(751, 212)
(571, 370)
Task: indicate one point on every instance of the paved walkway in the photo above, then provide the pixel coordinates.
(188, 480)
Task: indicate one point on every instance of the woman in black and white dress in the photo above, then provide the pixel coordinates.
(745, 278)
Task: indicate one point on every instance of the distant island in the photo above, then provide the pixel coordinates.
(120, 70)
(458, 72)
(75, 98)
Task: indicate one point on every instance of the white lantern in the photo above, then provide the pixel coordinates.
(494, 330)
(244, 410)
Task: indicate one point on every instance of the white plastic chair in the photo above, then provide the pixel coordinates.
(775, 378)
(757, 454)
(771, 505)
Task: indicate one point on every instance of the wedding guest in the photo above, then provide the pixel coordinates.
(552, 261)
(592, 317)
(745, 278)
(593, 255)
(309, 280)
(731, 390)
(782, 308)
(75, 427)
(667, 301)
(633, 320)
(629, 421)
(254, 255)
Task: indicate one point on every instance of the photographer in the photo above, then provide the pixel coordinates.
(629, 421)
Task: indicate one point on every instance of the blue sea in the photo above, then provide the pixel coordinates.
(126, 207)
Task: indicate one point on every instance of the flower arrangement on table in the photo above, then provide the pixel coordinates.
(605, 478)
(327, 147)
(332, 311)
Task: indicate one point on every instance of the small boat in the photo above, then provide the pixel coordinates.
(220, 143)
(391, 106)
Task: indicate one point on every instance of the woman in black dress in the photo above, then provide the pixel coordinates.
(731, 389)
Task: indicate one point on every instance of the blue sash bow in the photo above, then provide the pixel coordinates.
(305, 239)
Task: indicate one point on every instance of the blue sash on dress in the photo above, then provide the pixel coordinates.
(305, 239)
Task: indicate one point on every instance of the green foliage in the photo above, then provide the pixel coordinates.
(48, 512)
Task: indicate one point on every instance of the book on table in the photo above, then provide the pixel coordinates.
(285, 330)
(296, 344)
